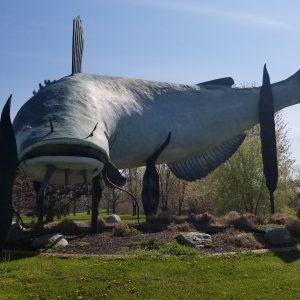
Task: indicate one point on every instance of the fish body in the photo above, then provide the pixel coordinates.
(131, 119)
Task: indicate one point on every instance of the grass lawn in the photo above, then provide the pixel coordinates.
(152, 277)
(84, 217)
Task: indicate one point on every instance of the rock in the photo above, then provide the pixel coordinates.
(113, 219)
(194, 239)
(278, 237)
(50, 239)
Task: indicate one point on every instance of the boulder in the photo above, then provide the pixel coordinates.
(278, 237)
(113, 219)
(50, 240)
(194, 239)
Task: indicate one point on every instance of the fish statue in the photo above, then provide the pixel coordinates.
(75, 127)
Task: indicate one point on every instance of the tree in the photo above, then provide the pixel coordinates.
(239, 183)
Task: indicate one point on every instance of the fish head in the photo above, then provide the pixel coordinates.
(60, 127)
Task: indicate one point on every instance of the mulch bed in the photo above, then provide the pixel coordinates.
(105, 243)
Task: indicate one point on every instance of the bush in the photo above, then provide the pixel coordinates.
(280, 218)
(231, 217)
(184, 227)
(157, 223)
(123, 230)
(101, 224)
(67, 227)
(174, 248)
(236, 238)
(293, 226)
(252, 218)
(243, 223)
(151, 244)
(203, 219)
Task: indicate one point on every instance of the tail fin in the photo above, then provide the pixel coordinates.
(8, 168)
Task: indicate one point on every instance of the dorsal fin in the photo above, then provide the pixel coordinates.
(77, 46)
(201, 165)
(226, 81)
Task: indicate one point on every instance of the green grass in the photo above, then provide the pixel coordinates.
(152, 277)
(84, 217)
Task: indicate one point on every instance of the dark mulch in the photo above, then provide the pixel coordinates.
(105, 243)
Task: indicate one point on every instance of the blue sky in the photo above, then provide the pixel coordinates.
(167, 40)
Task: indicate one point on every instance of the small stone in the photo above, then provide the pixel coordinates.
(50, 239)
(113, 219)
(194, 239)
(278, 237)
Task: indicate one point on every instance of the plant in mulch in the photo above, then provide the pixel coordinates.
(101, 224)
(123, 230)
(157, 223)
(231, 216)
(203, 219)
(232, 237)
(280, 218)
(244, 222)
(65, 227)
(183, 227)
(151, 244)
(293, 226)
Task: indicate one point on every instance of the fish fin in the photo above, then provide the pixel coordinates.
(225, 81)
(8, 168)
(77, 46)
(268, 136)
(201, 165)
(112, 175)
(153, 158)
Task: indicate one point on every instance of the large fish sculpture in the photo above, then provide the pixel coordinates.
(75, 127)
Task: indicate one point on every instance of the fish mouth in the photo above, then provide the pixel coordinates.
(73, 161)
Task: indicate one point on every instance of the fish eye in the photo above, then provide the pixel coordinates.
(26, 128)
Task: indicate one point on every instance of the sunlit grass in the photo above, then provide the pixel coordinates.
(84, 217)
(152, 277)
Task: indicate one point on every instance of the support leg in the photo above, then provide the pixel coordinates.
(97, 189)
(150, 191)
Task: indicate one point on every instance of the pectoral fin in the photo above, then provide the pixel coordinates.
(201, 165)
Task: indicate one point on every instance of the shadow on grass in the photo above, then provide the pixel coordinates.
(288, 254)
(7, 255)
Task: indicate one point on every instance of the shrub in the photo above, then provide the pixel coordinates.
(184, 227)
(67, 227)
(101, 224)
(243, 223)
(231, 217)
(293, 226)
(203, 219)
(280, 218)
(252, 218)
(151, 244)
(123, 230)
(236, 238)
(157, 223)
(174, 248)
